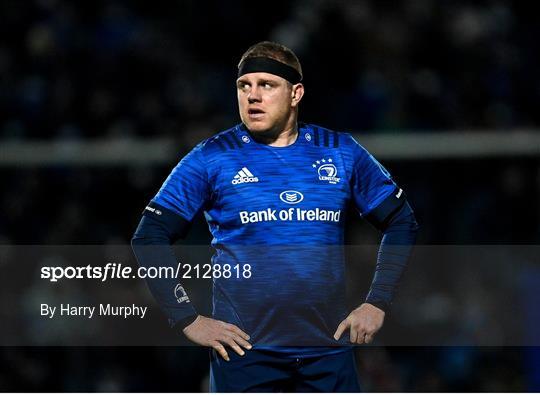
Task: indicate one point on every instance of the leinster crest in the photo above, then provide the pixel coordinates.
(180, 294)
(326, 170)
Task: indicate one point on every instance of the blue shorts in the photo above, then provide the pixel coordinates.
(270, 371)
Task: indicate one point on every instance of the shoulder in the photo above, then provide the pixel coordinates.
(328, 138)
(321, 136)
(346, 145)
(221, 142)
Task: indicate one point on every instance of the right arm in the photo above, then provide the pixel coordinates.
(166, 219)
(158, 229)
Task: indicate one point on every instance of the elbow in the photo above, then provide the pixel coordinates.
(407, 223)
(150, 232)
(415, 227)
(138, 237)
(136, 240)
(402, 230)
(141, 240)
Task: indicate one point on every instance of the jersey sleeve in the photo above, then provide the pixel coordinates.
(371, 183)
(187, 189)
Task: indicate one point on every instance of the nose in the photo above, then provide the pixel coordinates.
(254, 95)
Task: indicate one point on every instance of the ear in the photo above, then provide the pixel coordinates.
(297, 93)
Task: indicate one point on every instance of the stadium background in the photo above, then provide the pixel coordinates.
(138, 72)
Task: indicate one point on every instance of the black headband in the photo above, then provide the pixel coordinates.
(268, 65)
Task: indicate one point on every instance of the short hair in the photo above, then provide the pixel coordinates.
(273, 50)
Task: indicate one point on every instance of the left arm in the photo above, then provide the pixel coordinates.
(395, 218)
(384, 205)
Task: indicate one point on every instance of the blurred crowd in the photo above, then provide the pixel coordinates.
(125, 69)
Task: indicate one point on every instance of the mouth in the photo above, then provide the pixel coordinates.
(255, 113)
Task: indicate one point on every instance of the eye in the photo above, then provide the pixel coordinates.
(243, 86)
(267, 85)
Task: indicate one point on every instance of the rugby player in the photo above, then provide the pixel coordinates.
(274, 193)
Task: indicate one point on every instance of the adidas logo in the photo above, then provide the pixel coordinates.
(243, 176)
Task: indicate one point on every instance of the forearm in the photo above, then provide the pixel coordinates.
(151, 244)
(399, 235)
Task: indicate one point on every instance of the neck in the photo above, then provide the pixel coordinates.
(284, 138)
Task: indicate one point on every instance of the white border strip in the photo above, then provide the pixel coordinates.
(384, 146)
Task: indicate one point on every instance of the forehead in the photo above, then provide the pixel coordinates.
(260, 76)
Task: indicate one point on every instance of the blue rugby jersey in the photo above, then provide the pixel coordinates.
(281, 210)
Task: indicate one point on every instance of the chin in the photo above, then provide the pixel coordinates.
(260, 129)
(257, 127)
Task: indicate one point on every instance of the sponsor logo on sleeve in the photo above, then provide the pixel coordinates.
(153, 210)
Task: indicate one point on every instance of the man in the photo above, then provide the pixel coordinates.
(274, 194)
